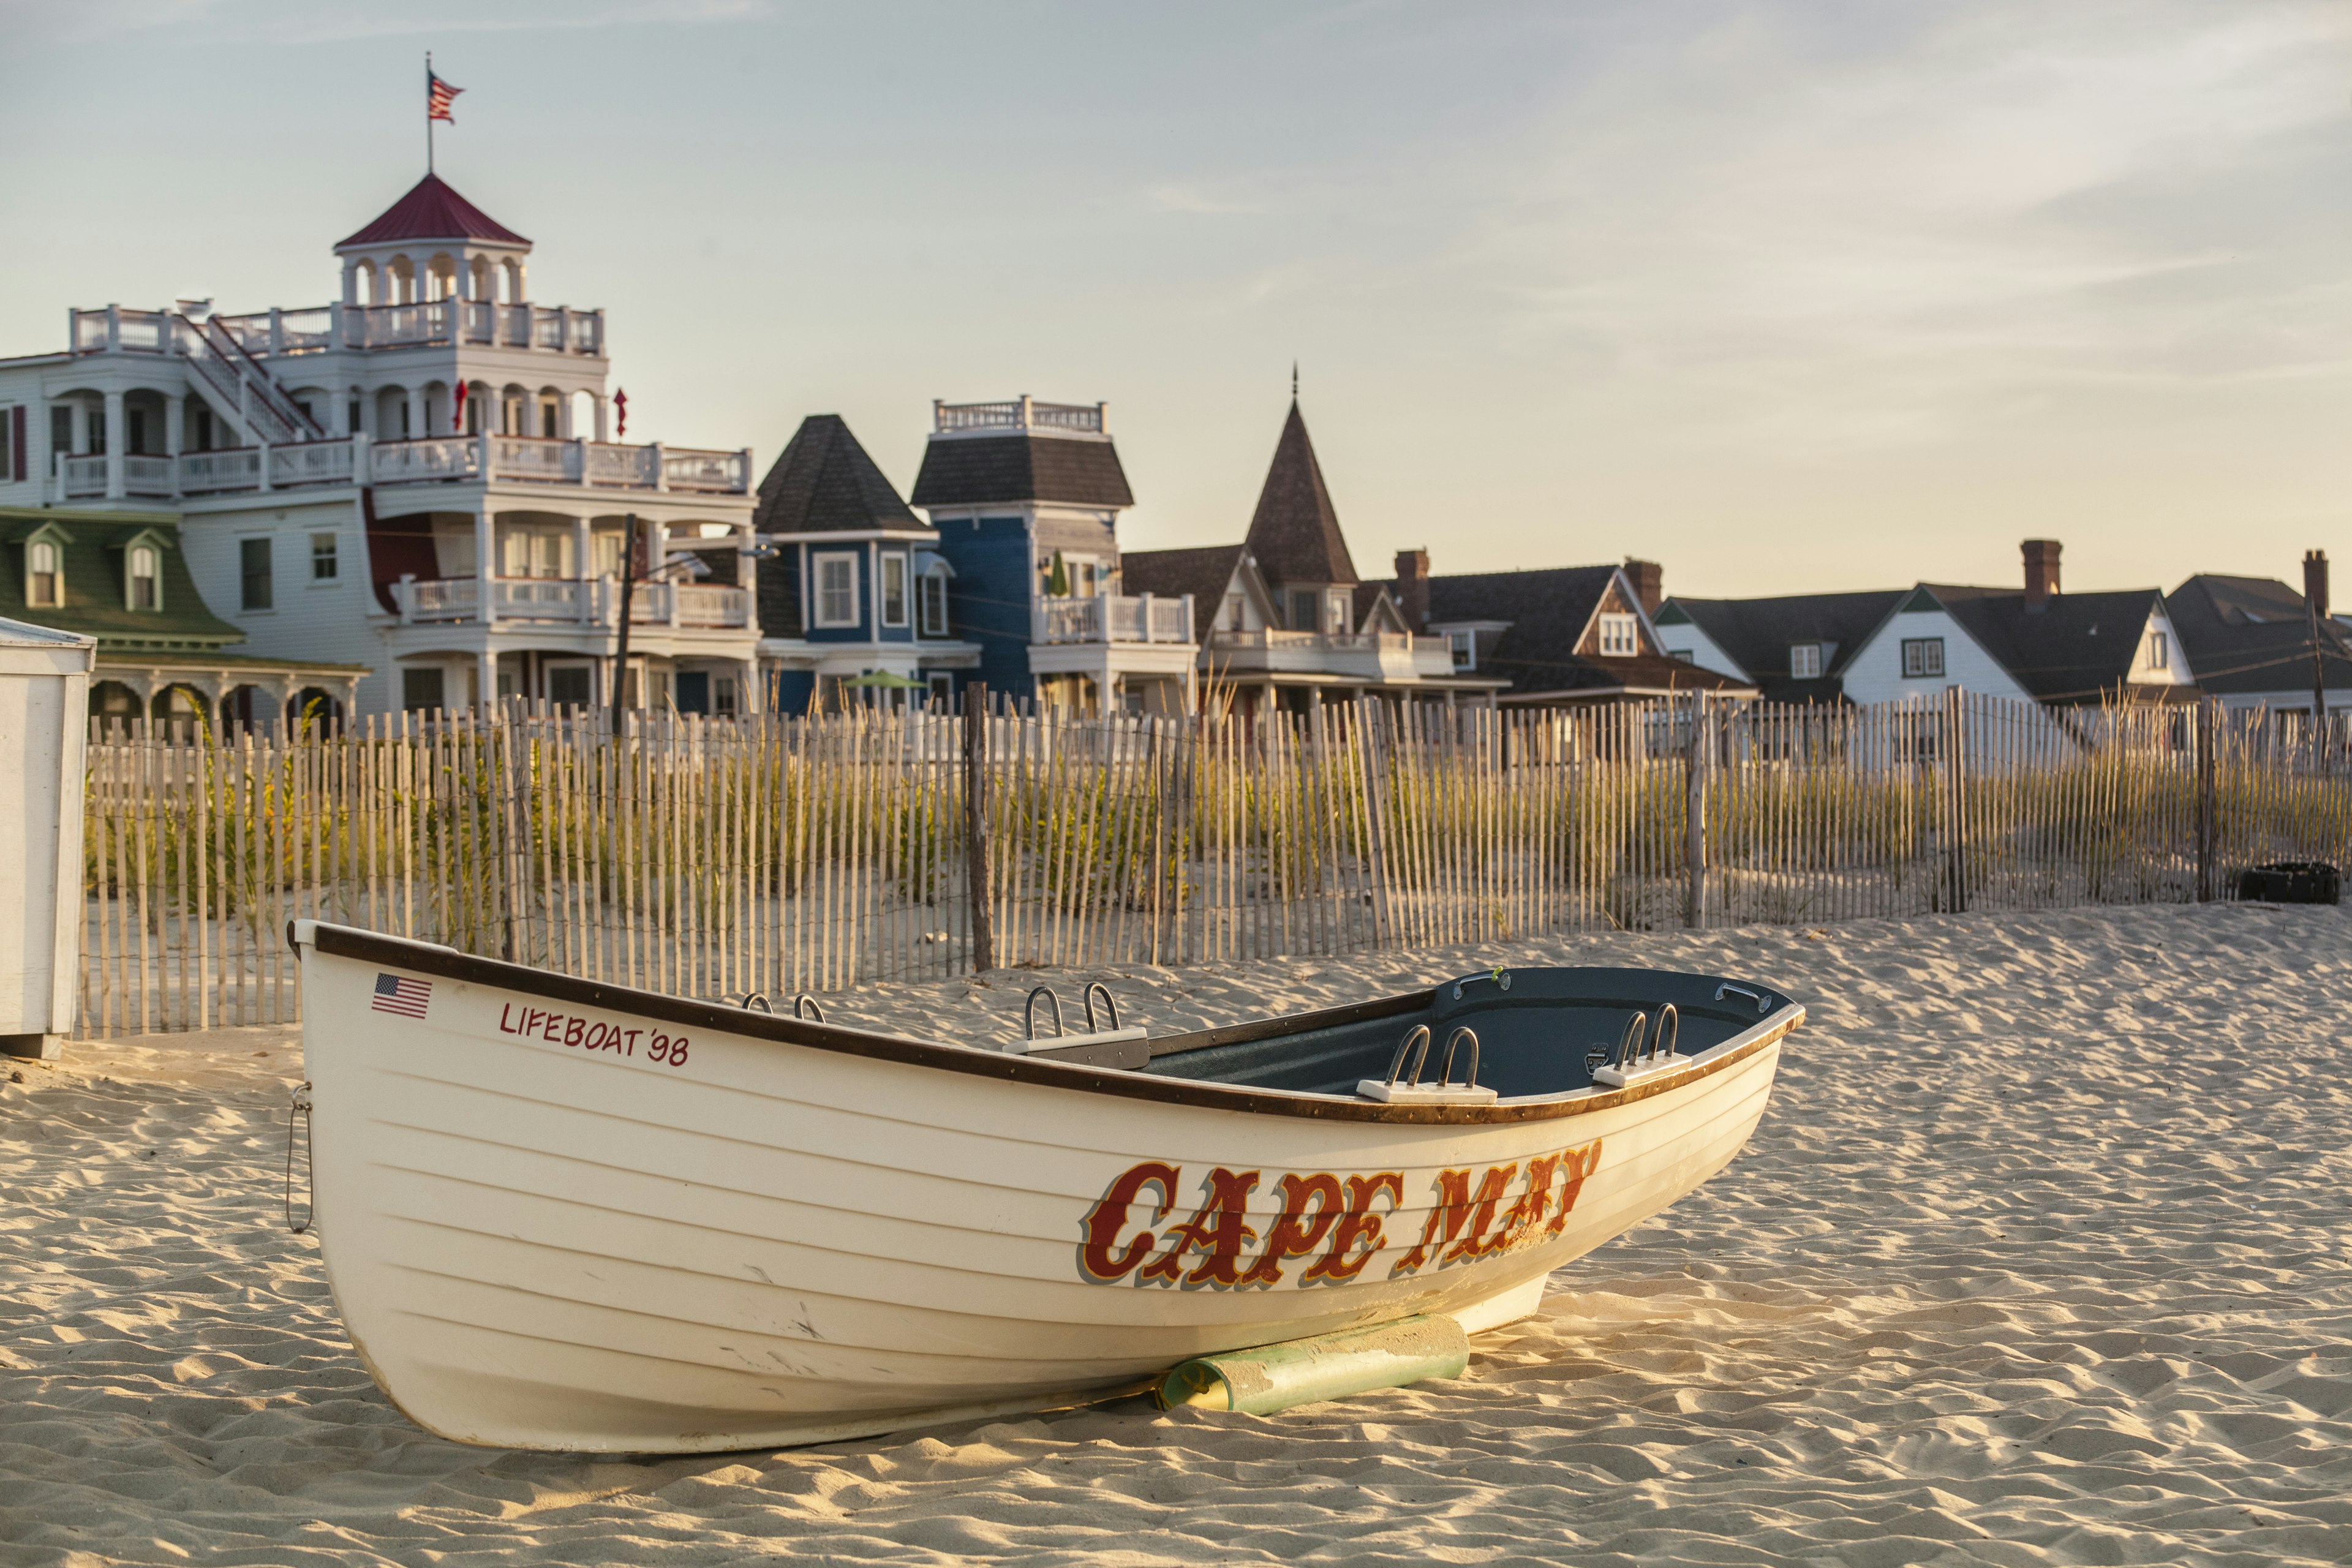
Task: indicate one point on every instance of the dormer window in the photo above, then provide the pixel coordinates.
(146, 590)
(1804, 661)
(1464, 645)
(2160, 651)
(1621, 637)
(45, 583)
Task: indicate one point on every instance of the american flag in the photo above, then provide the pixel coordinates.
(438, 96)
(397, 993)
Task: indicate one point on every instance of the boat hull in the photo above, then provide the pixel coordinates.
(541, 1236)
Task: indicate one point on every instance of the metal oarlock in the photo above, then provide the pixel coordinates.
(805, 1006)
(757, 1000)
(299, 1107)
(1399, 1088)
(1029, 1012)
(1110, 1003)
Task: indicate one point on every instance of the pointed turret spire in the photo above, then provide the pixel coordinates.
(1295, 534)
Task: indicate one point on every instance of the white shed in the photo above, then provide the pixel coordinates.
(44, 718)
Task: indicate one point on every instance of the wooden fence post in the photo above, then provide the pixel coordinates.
(2205, 738)
(975, 817)
(1702, 747)
(1956, 772)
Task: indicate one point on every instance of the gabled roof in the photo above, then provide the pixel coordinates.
(822, 482)
(1205, 573)
(1757, 634)
(91, 547)
(433, 210)
(1548, 612)
(2074, 648)
(2251, 634)
(1295, 534)
(967, 471)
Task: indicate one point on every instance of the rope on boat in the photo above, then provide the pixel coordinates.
(300, 1109)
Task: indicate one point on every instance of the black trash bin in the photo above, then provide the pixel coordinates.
(2292, 882)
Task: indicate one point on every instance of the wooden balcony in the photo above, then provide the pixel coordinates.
(347, 461)
(1114, 619)
(572, 602)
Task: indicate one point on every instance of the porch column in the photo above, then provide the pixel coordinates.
(78, 425)
(175, 422)
(563, 416)
(602, 435)
(417, 430)
(114, 445)
(583, 564)
(486, 667)
(486, 567)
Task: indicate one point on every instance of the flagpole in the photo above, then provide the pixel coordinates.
(428, 111)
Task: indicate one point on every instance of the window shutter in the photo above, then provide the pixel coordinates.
(16, 441)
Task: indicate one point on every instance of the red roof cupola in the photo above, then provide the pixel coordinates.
(432, 210)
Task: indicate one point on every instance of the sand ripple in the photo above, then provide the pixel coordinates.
(2039, 1256)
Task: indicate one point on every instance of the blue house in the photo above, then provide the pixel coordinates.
(1025, 498)
(855, 600)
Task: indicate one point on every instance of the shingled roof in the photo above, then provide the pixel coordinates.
(822, 482)
(433, 210)
(1547, 613)
(2073, 648)
(2251, 634)
(1295, 534)
(1205, 573)
(1758, 633)
(966, 470)
(92, 549)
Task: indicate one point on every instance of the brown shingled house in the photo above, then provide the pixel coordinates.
(1283, 617)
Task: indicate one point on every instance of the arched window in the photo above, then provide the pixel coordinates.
(146, 591)
(45, 584)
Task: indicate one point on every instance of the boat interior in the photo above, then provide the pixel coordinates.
(1509, 1033)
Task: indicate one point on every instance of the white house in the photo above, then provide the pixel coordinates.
(423, 477)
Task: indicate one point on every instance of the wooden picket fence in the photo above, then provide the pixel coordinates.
(720, 857)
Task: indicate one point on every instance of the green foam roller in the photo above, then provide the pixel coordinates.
(1268, 1378)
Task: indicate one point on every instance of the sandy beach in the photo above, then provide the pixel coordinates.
(2041, 1255)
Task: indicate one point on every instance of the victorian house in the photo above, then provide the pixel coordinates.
(425, 477)
(1023, 499)
(1282, 619)
(854, 601)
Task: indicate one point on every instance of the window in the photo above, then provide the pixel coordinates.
(547, 420)
(1303, 610)
(253, 573)
(567, 686)
(134, 422)
(324, 568)
(1621, 637)
(607, 546)
(1086, 579)
(894, 590)
(932, 588)
(1235, 605)
(1923, 657)
(836, 590)
(1335, 613)
(421, 689)
(60, 427)
(203, 433)
(45, 584)
(2160, 651)
(1680, 653)
(1465, 648)
(146, 593)
(405, 431)
(723, 702)
(97, 431)
(1804, 661)
(351, 413)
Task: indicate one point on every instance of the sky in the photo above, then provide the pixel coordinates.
(1788, 297)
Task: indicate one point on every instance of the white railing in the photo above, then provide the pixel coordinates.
(710, 605)
(79, 476)
(1115, 618)
(306, 332)
(436, 458)
(439, 599)
(541, 599)
(628, 468)
(310, 463)
(534, 460)
(145, 476)
(1019, 414)
(236, 469)
(396, 326)
(720, 473)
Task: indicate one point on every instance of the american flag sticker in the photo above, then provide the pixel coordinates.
(397, 993)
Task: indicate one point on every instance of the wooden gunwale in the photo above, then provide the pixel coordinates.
(450, 964)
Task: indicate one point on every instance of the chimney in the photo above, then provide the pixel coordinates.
(2041, 571)
(2314, 582)
(1649, 584)
(1412, 588)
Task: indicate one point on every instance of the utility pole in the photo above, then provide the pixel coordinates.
(621, 660)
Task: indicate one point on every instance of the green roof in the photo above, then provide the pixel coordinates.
(95, 548)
